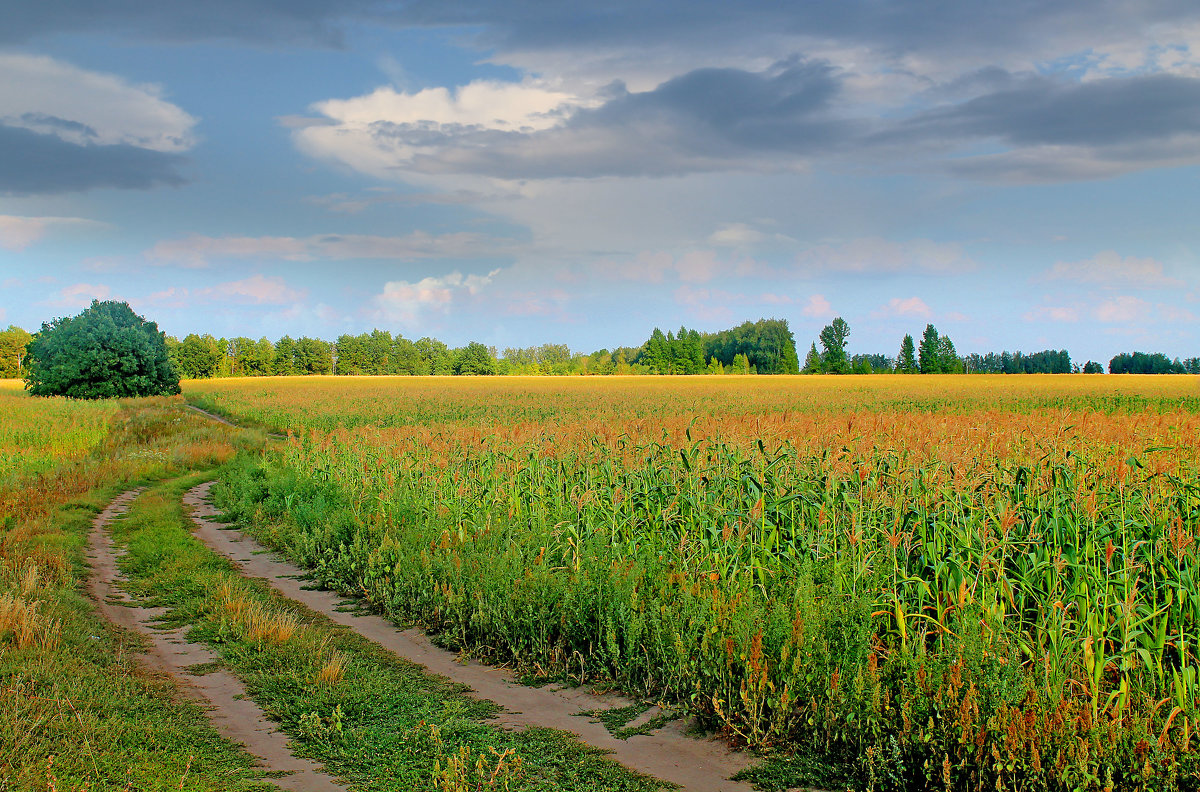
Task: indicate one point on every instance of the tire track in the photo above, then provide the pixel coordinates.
(227, 422)
(695, 765)
(224, 696)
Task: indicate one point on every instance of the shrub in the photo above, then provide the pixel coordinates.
(107, 351)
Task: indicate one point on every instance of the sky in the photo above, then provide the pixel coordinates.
(1022, 175)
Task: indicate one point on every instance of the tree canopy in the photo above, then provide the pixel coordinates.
(13, 343)
(833, 347)
(1145, 363)
(105, 352)
(768, 345)
(763, 347)
(1048, 361)
(475, 358)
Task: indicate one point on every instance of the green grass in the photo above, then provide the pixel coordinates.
(617, 720)
(387, 724)
(79, 713)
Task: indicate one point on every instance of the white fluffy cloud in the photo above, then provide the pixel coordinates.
(256, 289)
(817, 307)
(405, 302)
(1124, 308)
(50, 97)
(387, 128)
(909, 306)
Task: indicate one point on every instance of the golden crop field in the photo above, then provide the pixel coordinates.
(953, 582)
(37, 434)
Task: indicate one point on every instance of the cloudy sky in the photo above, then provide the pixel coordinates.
(1021, 174)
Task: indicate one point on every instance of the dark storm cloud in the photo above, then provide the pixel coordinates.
(893, 25)
(294, 21)
(1041, 111)
(707, 119)
(890, 25)
(724, 119)
(40, 164)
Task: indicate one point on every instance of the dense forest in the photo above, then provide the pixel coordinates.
(1156, 363)
(763, 347)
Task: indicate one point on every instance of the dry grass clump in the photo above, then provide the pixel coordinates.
(22, 624)
(262, 625)
(332, 671)
(258, 622)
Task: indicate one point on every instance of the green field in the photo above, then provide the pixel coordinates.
(933, 582)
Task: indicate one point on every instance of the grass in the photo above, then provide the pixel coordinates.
(380, 721)
(76, 711)
(617, 720)
(38, 434)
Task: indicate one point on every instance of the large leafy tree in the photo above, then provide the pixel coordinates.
(107, 351)
(833, 343)
(197, 357)
(13, 343)
(948, 362)
(474, 358)
(768, 344)
(283, 363)
(312, 356)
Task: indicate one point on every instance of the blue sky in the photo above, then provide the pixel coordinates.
(1022, 175)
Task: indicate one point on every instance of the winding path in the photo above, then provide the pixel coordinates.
(232, 712)
(696, 765)
(223, 420)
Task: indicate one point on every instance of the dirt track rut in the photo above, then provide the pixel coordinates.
(696, 765)
(231, 711)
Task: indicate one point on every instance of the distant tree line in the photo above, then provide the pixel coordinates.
(1156, 363)
(763, 347)
(935, 355)
(1049, 361)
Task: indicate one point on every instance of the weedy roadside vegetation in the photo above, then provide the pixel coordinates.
(378, 721)
(931, 583)
(78, 713)
(75, 710)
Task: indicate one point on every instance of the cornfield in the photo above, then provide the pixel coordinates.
(944, 582)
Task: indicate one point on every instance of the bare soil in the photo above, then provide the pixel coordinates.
(224, 697)
(696, 765)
